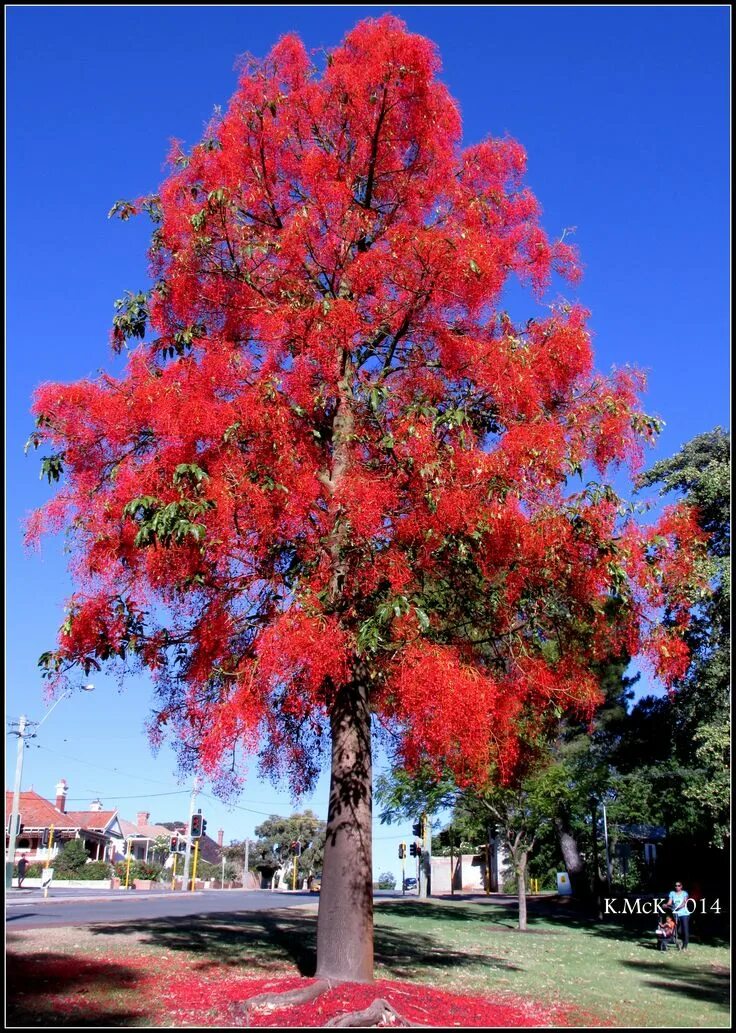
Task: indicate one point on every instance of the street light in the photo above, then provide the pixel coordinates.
(23, 732)
(67, 692)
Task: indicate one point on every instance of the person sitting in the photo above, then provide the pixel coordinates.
(666, 931)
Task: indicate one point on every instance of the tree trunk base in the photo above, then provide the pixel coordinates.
(379, 1013)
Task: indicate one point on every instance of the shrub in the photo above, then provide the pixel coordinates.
(207, 870)
(72, 858)
(95, 870)
(138, 870)
(386, 881)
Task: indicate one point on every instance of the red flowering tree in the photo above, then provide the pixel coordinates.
(335, 481)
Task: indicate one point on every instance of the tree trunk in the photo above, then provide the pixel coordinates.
(596, 872)
(521, 879)
(345, 919)
(571, 856)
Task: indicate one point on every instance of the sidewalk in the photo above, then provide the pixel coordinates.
(17, 897)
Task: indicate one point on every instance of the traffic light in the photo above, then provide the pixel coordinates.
(43, 839)
(415, 849)
(197, 826)
(204, 826)
(402, 851)
(416, 829)
(296, 848)
(174, 844)
(18, 825)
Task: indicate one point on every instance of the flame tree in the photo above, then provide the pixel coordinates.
(335, 482)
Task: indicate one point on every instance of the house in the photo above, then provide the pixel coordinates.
(46, 827)
(147, 841)
(468, 873)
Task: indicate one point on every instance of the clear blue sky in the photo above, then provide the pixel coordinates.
(624, 112)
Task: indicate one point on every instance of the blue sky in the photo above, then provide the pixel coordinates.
(624, 113)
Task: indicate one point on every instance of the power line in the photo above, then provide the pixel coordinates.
(138, 796)
(175, 792)
(99, 767)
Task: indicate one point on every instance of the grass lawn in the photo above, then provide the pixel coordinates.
(611, 972)
(184, 971)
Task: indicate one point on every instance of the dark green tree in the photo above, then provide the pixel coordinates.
(272, 849)
(690, 732)
(518, 811)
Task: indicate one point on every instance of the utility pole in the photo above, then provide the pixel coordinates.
(23, 732)
(188, 852)
(245, 869)
(425, 860)
(15, 813)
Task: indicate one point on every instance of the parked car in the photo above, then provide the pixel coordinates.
(410, 884)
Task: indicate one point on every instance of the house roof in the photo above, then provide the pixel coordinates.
(37, 813)
(132, 829)
(209, 850)
(93, 820)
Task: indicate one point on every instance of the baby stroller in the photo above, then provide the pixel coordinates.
(667, 933)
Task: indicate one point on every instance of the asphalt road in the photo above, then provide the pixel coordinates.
(28, 908)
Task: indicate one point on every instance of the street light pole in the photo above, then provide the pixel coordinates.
(188, 851)
(13, 830)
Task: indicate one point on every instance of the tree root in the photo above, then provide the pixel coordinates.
(275, 1001)
(380, 1013)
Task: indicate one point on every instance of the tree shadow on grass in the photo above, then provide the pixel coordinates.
(259, 942)
(35, 982)
(560, 913)
(711, 987)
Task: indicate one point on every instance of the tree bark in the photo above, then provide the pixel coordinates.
(521, 879)
(345, 916)
(571, 855)
(345, 919)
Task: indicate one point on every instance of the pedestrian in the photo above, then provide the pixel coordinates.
(22, 865)
(678, 899)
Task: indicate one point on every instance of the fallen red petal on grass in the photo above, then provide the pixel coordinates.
(68, 984)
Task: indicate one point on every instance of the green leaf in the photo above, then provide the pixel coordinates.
(376, 397)
(230, 432)
(190, 470)
(422, 618)
(52, 467)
